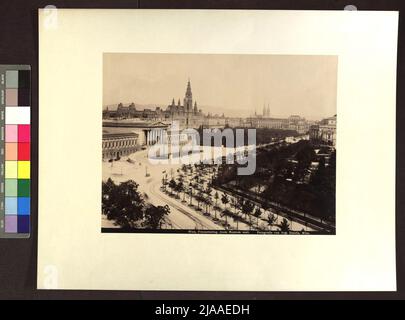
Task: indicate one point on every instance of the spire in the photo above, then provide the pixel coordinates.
(173, 102)
(188, 101)
(188, 90)
(178, 102)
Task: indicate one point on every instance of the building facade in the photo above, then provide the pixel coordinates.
(324, 131)
(298, 124)
(234, 122)
(116, 145)
(293, 122)
(148, 132)
(187, 115)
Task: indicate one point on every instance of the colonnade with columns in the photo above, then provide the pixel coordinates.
(154, 136)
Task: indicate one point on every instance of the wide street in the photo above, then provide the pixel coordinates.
(149, 177)
(181, 216)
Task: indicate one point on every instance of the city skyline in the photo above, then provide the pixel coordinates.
(237, 85)
(285, 183)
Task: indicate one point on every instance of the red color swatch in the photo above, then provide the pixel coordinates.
(24, 151)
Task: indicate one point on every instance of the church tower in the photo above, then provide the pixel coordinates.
(188, 98)
(188, 101)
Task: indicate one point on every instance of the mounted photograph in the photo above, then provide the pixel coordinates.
(219, 143)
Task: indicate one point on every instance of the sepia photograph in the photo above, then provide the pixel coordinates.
(219, 143)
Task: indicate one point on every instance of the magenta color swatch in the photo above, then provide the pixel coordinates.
(11, 133)
(24, 133)
(10, 224)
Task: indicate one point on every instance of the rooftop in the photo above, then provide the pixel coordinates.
(133, 123)
(108, 135)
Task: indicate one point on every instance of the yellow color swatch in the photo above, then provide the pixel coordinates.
(11, 169)
(23, 169)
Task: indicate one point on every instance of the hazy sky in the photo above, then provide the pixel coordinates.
(237, 85)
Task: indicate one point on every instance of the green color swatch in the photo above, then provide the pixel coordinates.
(23, 187)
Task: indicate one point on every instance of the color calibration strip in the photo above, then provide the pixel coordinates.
(15, 161)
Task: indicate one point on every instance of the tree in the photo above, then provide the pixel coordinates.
(155, 216)
(305, 155)
(208, 204)
(225, 199)
(265, 205)
(247, 208)
(180, 177)
(180, 188)
(208, 191)
(236, 218)
(271, 219)
(226, 213)
(207, 198)
(190, 192)
(323, 189)
(200, 198)
(107, 189)
(164, 181)
(257, 213)
(284, 226)
(234, 204)
(203, 199)
(172, 185)
(122, 203)
(216, 197)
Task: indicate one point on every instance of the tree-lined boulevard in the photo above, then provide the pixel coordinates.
(193, 197)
